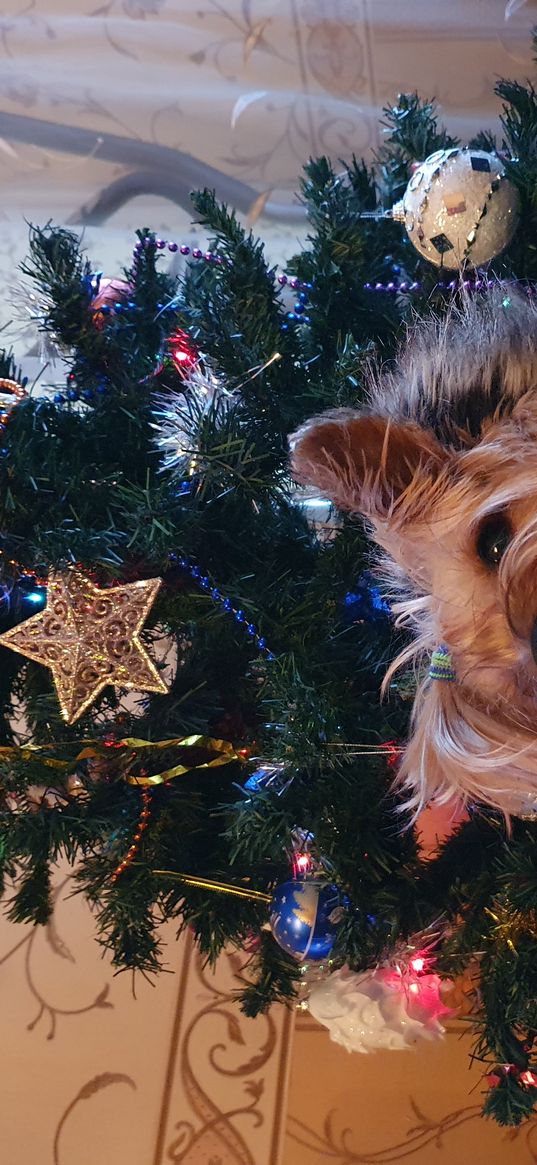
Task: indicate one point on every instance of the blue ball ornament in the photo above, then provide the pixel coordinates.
(304, 916)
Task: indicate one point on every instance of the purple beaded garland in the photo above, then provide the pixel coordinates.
(391, 287)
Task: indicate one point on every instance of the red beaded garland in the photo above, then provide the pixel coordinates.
(133, 848)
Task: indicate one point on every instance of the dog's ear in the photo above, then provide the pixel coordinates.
(365, 462)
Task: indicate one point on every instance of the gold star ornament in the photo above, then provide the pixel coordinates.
(89, 638)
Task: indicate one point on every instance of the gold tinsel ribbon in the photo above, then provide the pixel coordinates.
(218, 887)
(511, 924)
(223, 753)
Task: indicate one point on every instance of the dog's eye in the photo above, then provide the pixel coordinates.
(493, 539)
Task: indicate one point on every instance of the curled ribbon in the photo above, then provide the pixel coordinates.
(223, 753)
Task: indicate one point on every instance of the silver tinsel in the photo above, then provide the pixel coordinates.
(178, 416)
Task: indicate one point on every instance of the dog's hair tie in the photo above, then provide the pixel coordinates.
(441, 667)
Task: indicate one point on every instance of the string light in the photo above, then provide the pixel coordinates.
(183, 353)
(525, 1077)
(36, 597)
(25, 571)
(13, 389)
(302, 864)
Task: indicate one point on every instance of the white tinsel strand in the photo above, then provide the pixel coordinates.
(178, 416)
(29, 314)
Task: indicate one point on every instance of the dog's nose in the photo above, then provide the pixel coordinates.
(533, 641)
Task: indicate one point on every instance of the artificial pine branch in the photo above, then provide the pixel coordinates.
(84, 479)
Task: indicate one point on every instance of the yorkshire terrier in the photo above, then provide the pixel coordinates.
(443, 465)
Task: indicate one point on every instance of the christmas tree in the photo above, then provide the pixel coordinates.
(153, 540)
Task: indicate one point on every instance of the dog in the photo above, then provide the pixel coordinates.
(442, 464)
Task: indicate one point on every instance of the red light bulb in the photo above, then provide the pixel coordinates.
(183, 352)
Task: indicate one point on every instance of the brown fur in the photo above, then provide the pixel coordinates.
(449, 437)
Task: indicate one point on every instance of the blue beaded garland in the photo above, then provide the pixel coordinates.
(205, 582)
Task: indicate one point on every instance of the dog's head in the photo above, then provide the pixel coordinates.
(457, 521)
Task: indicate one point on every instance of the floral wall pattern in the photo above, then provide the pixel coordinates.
(418, 1106)
(101, 1068)
(112, 111)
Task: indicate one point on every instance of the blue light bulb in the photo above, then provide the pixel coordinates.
(36, 597)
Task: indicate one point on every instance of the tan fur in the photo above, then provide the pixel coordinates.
(449, 437)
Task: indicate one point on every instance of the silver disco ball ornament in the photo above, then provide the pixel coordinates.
(459, 208)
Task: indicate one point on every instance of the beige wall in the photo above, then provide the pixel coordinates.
(92, 1075)
(421, 1107)
(95, 1075)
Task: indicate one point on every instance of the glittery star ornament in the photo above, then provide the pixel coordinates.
(89, 638)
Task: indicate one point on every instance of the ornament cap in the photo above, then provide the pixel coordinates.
(397, 212)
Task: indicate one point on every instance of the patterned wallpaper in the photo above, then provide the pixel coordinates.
(101, 1069)
(112, 111)
(420, 1107)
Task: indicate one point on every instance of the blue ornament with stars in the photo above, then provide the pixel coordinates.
(304, 916)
